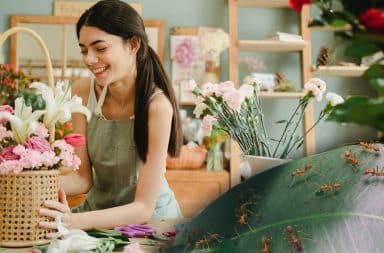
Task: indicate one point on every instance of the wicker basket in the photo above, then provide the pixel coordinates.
(21, 195)
(191, 158)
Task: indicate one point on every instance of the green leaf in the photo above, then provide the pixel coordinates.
(360, 48)
(374, 71)
(348, 217)
(378, 85)
(360, 110)
(281, 121)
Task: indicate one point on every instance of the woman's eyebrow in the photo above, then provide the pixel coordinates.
(93, 43)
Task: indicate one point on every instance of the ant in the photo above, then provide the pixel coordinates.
(352, 159)
(294, 239)
(299, 172)
(374, 172)
(369, 146)
(206, 240)
(265, 241)
(328, 188)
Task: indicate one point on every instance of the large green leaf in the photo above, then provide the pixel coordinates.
(290, 214)
(358, 49)
(360, 110)
(375, 71)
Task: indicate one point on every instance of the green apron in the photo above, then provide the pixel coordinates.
(116, 164)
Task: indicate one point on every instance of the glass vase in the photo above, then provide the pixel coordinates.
(215, 159)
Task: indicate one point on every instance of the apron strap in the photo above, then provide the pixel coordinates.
(100, 102)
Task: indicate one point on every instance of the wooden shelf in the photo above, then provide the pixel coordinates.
(266, 94)
(263, 3)
(328, 28)
(196, 189)
(347, 71)
(271, 45)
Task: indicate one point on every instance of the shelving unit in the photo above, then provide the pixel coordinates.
(301, 47)
(344, 71)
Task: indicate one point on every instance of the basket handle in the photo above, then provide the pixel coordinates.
(48, 61)
(36, 36)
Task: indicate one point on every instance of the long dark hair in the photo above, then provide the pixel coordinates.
(120, 19)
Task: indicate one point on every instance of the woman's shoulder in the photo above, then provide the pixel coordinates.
(160, 104)
(81, 88)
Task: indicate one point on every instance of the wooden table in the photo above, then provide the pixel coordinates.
(160, 226)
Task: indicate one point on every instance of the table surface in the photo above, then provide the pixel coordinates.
(161, 226)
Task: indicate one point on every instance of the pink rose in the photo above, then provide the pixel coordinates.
(133, 248)
(5, 108)
(38, 143)
(7, 154)
(75, 140)
(185, 53)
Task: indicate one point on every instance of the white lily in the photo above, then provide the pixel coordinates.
(74, 240)
(23, 122)
(59, 104)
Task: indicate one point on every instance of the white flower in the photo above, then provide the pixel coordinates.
(317, 87)
(213, 43)
(74, 240)
(334, 99)
(59, 104)
(24, 121)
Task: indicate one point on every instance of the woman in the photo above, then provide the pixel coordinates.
(135, 123)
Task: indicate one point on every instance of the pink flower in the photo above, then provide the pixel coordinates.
(133, 248)
(225, 87)
(191, 84)
(41, 130)
(7, 154)
(75, 140)
(234, 99)
(185, 53)
(246, 90)
(317, 87)
(38, 143)
(207, 123)
(5, 108)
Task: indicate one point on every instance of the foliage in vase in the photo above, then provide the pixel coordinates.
(239, 113)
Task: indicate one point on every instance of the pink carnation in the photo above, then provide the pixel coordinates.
(37, 143)
(207, 123)
(5, 108)
(7, 154)
(76, 140)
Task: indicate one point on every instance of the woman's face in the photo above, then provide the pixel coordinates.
(108, 57)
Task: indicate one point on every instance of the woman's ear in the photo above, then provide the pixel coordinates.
(135, 43)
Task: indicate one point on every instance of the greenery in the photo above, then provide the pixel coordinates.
(365, 38)
(329, 202)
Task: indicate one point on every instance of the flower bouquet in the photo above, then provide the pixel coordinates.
(239, 113)
(31, 159)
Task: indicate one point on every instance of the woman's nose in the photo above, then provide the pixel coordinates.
(90, 58)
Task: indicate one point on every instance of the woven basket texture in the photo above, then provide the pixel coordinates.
(21, 196)
(191, 158)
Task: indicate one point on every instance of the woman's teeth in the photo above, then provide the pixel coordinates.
(99, 70)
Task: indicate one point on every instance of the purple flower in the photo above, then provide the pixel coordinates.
(185, 53)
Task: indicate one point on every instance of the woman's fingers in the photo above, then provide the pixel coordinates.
(55, 205)
(63, 197)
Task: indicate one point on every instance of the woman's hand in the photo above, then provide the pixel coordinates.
(53, 209)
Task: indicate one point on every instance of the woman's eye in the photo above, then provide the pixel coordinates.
(83, 52)
(101, 49)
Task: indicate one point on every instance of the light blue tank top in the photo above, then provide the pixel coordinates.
(116, 164)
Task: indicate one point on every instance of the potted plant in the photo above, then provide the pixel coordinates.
(239, 113)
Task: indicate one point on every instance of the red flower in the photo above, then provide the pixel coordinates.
(298, 4)
(75, 140)
(7, 154)
(38, 144)
(373, 19)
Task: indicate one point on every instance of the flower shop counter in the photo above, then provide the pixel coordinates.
(146, 245)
